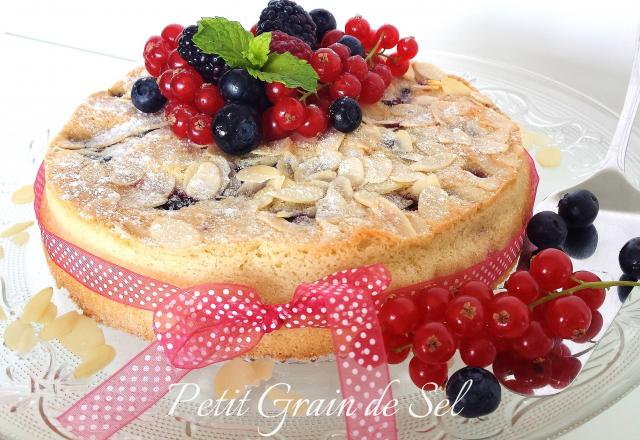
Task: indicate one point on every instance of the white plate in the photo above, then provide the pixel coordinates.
(35, 389)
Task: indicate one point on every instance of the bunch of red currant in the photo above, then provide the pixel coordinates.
(520, 329)
(191, 102)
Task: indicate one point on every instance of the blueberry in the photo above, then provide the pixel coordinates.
(146, 95)
(547, 229)
(579, 209)
(629, 258)
(581, 243)
(624, 291)
(236, 129)
(354, 45)
(345, 114)
(238, 87)
(481, 398)
(324, 20)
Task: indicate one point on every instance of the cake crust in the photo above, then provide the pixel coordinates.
(485, 183)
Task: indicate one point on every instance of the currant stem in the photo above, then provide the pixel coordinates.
(401, 348)
(582, 286)
(305, 95)
(375, 48)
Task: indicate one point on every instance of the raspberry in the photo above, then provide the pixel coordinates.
(288, 17)
(281, 43)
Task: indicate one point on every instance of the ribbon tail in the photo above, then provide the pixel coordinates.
(123, 397)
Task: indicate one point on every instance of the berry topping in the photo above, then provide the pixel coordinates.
(178, 119)
(398, 65)
(465, 315)
(208, 99)
(432, 303)
(426, 375)
(146, 95)
(478, 352)
(346, 85)
(629, 258)
(407, 48)
(433, 343)
(522, 286)
(547, 229)
(276, 91)
(343, 51)
(356, 66)
(271, 130)
(397, 347)
(482, 394)
(354, 45)
(345, 115)
(579, 208)
(358, 27)
(478, 290)
(290, 18)
(508, 317)
(210, 66)
(324, 20)
(289, 113)
(327, 64)
(536, 342)
(593, 297)
(177, 201)
(384, 72)
(200, 129)
(568, 317)
(331, 37)
(236, 129)
(551, 269)
(281, 43)
(315, 122)
(398, 315)
(388, 36)
(184, 85)
(171, 33)
(238, 87)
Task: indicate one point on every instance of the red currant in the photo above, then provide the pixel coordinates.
(184, 85)
(508, 317)
(594, 328)
(465, 315)
(171, 33)
(327, 64)
(535, 343)
(425, 375)
(384, 72)
(389, 34)
(270, 128)
(398, 65)
(501, 344)
(155, 50)
(397, 347)
(563, 371)
(358, 27)
(593, 297)
(154, 69)
(407, 48)
(357, 66)
(569, 317)
(254, 29)
(398, 315)
(551, 268)
(478, 290)
(345, 85)
(522, 285)
(433, 343)
(315, 122)
(343, 51)
(288, 113)
(200, 129)
(331, 37)
(179, 120)
(164, 83)
(372, 88)
(276, 91)
(208, 99)
(477, 352)
(175, 61)
(432, 303)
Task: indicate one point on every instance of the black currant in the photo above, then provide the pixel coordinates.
(547, 229)
(324, 20)
(354, 45)
(345, 114)
(475, 391)
(629, 258)
(579, 209)
(238, 87)
(236, 129)
(146, 96)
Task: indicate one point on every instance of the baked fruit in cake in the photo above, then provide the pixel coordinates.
(431, 180)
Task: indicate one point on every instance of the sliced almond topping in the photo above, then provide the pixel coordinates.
(175, 233)
(37, 305)
(367, 198)
(533, 139)
(385, 187)
(20, 337)
(403, 143)
(549, 157)
(403, 174)
(343, 186)
(396, 217)
(433, 163)
(422, 183)
(124, 171)
(327, 160)
(377, 168)
(60, 327)
(419, 224)
(48, 315)
(454, 87)
(353, 169)
(205, 183)
(158, 183)
(23, 195)
(14, 229)
(85, 335)
(427, 71)
(20, 238)
(96, 359)
(258, 174)
(326, 175)
(277, 223)
(249, 188)
(433, 203)
(488, 146)
(299, 193)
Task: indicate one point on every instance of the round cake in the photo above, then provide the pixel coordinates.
(434, 180)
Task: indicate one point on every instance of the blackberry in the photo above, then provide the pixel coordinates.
(210, 66)
(290, 18)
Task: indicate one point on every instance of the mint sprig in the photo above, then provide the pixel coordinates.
(240, 49)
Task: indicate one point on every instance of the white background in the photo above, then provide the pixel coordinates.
(587, 45)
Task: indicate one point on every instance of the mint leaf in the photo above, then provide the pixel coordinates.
(258, 51)
(289, 70)
(225, 38)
